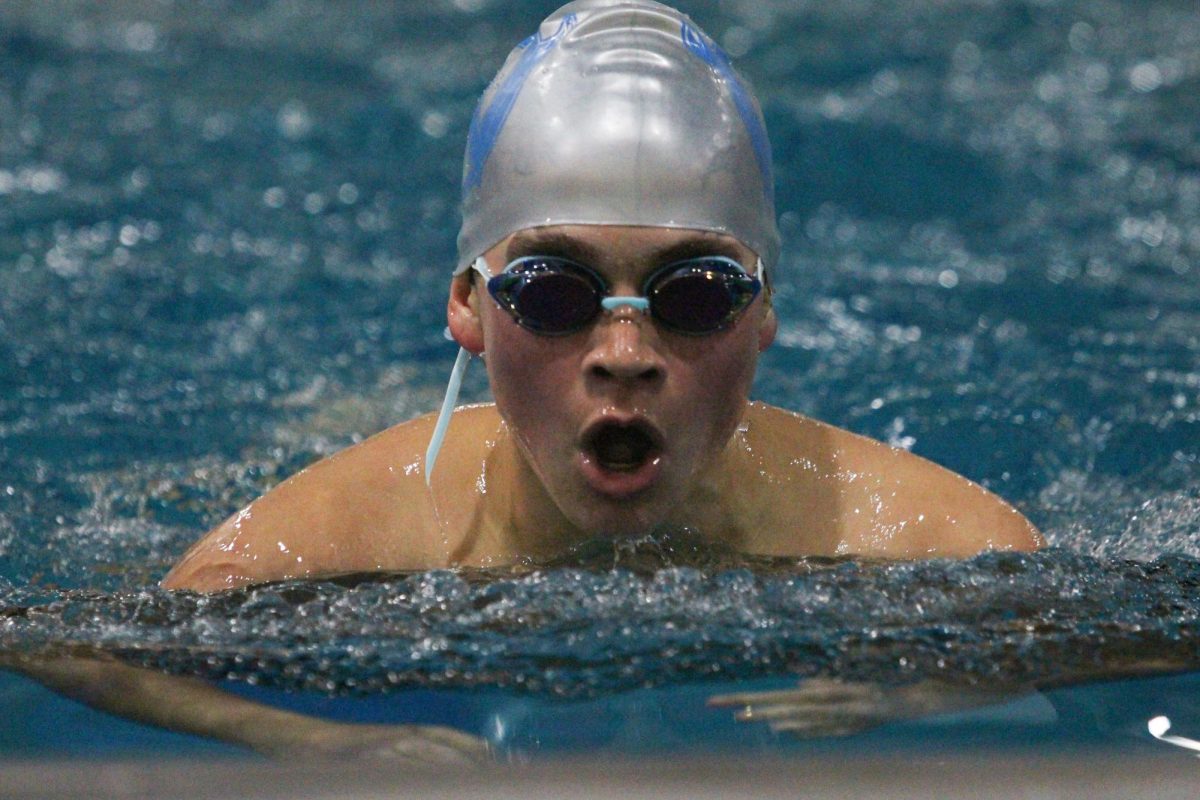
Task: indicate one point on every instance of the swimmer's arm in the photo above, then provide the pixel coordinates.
(287, 533)
(192, 706)
(820, 707)
(904, 506)
(857, 496)
(362, 509)
(951, 516)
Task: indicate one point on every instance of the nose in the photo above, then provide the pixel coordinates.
(622, 348)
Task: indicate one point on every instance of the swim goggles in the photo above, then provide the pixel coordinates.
(554, 296)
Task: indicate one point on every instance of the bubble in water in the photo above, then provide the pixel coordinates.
(294, 120)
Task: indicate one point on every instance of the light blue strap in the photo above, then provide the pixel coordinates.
(452, 389)
(443, 420)
(480, 265)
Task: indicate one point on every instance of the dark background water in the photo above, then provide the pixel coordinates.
(226, 231)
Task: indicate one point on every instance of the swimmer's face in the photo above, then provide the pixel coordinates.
(622, 419)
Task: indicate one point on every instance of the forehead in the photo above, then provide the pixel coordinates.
(600, 245)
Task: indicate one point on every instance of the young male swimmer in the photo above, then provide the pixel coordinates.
(615, 259)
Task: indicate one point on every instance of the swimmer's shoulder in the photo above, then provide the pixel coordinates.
(364, 508)
(884, 501)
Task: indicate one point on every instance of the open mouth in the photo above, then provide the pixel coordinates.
(621, 448)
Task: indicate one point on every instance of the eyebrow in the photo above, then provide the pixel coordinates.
(543, 242)
(701, 244)
(550, 243)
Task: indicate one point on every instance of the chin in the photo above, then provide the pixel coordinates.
(618, 518)
(615, 506)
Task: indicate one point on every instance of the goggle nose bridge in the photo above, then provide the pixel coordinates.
(637, 303)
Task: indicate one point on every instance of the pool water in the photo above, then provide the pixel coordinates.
(226, 232)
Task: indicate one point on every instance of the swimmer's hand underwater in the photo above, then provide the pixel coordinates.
(191, 705)
(821, 707)
(411, 745)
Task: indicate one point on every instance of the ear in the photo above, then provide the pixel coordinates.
(767, 328)
(462, 313)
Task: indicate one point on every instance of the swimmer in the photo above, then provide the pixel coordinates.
(614, 274)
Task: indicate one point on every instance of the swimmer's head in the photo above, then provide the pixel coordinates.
(617, 112)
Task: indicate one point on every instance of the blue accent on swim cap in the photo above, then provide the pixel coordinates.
(487, 123)
(712, 54)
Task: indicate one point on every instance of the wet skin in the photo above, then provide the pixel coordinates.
(528, 478)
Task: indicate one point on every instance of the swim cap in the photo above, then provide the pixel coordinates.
(617, 112)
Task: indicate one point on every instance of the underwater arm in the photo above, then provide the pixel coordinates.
(833, 707)
(190, 705)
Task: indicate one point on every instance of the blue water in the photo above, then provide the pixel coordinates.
(226, 231)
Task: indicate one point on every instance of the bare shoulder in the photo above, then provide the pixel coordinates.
(879, 500)
(364, 508)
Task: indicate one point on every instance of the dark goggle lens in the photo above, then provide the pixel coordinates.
(548, 296)
(702, 296)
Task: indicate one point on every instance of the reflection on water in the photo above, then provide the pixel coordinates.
(225, 236)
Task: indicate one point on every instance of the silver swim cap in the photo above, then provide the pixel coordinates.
(618, 112)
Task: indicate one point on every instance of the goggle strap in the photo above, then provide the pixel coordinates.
(443, 420)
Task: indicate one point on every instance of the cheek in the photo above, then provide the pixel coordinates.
(731, 390)
(720, 366)
(719, 380)
(530, 376)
